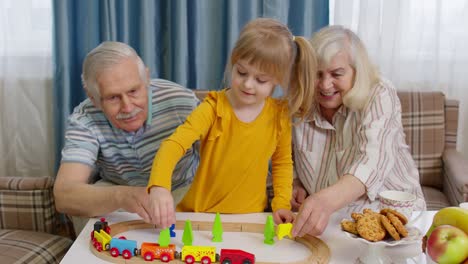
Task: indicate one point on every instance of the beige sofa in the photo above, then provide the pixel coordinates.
(29, 223)
(430, 122)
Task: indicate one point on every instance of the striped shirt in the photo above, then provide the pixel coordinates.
(126, 158)
(369, 144)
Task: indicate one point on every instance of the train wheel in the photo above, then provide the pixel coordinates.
(126, 254)
(189, 259)
(246, 261)
(226, 261)
(206, 260)
(114, 252)
(165, 257)
(99, 247)
(149, 256)
(107, 246)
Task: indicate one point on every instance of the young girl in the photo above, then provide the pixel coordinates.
(241, 129)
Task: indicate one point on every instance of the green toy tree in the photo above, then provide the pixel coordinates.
(217, 229)
(164, 237)
(269, 231)
(187, 236)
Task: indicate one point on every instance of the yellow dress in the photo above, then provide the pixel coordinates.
(234, 157)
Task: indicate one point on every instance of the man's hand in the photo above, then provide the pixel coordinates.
(162, 212)
(282, 216)
(313, 216)
(74, 196)
(135, 200)
(299, 194)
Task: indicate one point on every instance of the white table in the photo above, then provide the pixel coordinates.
(343, 249)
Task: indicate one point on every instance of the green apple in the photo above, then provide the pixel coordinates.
(448, 244)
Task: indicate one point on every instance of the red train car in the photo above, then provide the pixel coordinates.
(236, 256)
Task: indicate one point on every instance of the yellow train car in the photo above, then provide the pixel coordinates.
(203, 254)
(101, 240)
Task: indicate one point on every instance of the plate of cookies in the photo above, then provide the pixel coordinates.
(387, 227)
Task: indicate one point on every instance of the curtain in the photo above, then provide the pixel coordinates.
(184, 41)
(417, 44)
(26, 133)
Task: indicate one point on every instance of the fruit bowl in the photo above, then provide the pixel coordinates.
(375, 250)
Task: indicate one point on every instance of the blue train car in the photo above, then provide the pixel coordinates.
(124, 247)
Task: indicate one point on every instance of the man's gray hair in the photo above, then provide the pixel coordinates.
(103, 57)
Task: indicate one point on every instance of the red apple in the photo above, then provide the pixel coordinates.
(447, 244)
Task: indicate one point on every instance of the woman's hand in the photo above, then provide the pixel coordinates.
(313, 216)
(162, 212)
(282, 216)
(316, 209)
(298, 196)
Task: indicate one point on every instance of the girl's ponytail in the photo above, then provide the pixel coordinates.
(303, 78)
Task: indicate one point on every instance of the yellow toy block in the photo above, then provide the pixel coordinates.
(284, 230)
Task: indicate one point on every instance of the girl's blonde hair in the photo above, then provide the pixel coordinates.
(271, 47)
(334, 39)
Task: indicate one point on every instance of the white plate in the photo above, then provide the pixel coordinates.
(414, 235)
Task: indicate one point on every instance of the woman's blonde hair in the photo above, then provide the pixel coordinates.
(271, 47)
(334, 39)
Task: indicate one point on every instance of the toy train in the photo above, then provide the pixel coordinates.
(102, 240)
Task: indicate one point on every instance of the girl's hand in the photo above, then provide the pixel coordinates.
(282, 216)
(162, 212)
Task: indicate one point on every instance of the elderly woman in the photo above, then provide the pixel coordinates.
(351, 146)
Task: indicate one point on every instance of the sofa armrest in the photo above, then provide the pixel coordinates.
(455, 173)
(26, 183)
(27, 203)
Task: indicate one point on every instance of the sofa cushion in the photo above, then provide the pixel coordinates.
(27, 203)
(19, 246)
(423, 118)
(435, 199)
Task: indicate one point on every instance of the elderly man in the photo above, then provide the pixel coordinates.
(115, 133)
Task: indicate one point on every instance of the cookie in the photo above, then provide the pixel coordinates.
(349, 226)
(356, 216)
(397, 224)
(400, 216)
(370, 228)
(389, 227)
(369, 211)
